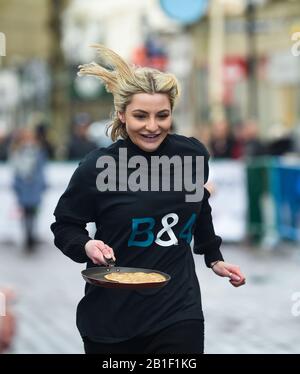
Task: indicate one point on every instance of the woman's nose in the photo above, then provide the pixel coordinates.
(151, 125)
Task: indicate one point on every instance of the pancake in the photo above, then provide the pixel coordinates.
(135, 278)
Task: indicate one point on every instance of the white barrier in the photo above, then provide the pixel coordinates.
(58, 176)
(228, 201)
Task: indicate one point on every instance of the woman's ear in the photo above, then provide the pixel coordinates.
(121, 117)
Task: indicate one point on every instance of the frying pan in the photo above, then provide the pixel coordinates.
(95, 275)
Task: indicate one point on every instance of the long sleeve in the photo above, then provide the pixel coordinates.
(206, 242)
(75, 208)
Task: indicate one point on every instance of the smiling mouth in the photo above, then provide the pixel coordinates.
(150, 136)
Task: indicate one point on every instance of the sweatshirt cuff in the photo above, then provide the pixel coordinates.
(212, 256)
(211, 250)
(77, 249)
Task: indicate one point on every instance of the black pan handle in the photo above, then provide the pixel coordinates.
(110, 262)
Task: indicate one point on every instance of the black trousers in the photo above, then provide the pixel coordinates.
(29, 217)
(181, 337)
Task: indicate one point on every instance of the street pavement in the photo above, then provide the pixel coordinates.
(260, 317)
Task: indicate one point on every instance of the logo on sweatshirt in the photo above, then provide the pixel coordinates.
(156, 173)
(142, 231)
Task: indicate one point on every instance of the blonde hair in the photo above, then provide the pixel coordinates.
(124, 80)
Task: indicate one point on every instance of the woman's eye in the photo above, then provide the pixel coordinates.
(161, 116)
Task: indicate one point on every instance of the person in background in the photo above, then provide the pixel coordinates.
(28, 160)
(4, 145)
(238, 144)
(203, 133)
(80, 145)
(252, 145)
(280, 140)
(42, 138)
(222, 141)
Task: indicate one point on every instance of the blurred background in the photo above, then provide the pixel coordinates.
(238, 63)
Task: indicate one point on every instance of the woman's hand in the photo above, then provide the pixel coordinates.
(97, 251)
(223, 269)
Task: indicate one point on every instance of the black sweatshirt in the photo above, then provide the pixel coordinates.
(146, 229)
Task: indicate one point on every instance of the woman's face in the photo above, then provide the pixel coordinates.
(148, 120)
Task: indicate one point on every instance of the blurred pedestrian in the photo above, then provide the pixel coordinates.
(28, 161)
(252, 145)
(4, 145)
(80, 144)
(238, 144)
(167, 320)
(41, 132)
(280, 140)
(222, 141)
(203, 133)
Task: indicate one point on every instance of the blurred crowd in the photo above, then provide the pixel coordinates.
(27, 151)
(244, 140)
(81, 139)
(221, 139)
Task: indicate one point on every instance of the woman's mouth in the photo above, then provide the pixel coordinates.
(151, 138)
